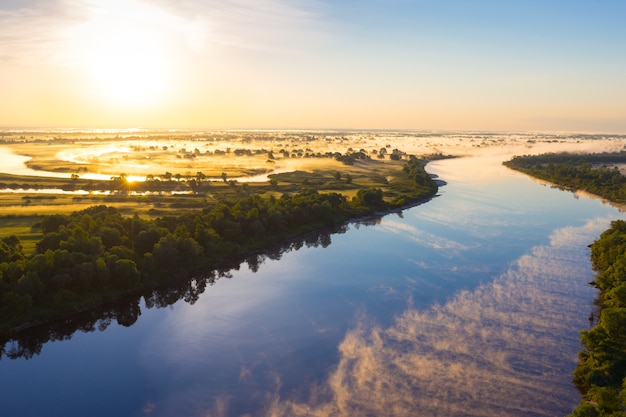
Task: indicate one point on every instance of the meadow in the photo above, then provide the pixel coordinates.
(151, 174)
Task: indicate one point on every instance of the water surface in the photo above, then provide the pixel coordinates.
(468, 305)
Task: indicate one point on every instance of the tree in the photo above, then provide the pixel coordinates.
(165, 252)
(125, 273)
(53, 222)
(371, 197)
(110, 237)
(30, 284)
(146, 239)
(15, 304)
(10, 249)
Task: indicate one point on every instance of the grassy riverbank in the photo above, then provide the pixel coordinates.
(601, 372)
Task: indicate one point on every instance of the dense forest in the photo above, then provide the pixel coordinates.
(601, 372)
(596, 173)
(95, 256)
(125, 311)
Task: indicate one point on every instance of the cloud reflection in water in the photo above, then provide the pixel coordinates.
(421, 237)
(505, 349)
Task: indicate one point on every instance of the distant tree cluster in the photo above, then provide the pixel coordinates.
(350, 157)
(595, 173)
(415, 183)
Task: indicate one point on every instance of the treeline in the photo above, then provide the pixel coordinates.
(126, 310)
(600, 375)
(594, 173)
(96, 255)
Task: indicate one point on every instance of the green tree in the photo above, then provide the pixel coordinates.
(125, 273)
(10, 249)
(52, 223)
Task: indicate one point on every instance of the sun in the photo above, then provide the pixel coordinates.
(125, 54)
(129, 69)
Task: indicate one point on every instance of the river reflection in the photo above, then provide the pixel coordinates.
(125, 312)
(505, 348)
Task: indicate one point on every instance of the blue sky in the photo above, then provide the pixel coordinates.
(463, 65)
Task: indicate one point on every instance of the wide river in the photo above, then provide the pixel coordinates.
(468, 305)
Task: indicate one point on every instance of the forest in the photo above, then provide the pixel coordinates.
(96, 255)
(600, 375)
(598, 174)
(601, 372)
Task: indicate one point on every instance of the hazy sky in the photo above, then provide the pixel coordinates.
(405, 64)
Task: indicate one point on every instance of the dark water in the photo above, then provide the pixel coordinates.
(469, 305)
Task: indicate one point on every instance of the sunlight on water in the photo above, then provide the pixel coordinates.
(14, 163)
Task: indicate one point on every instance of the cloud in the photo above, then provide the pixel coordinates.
(26, 33)
(506, 348)
(422, 237)
(268, 19)
(48, 30)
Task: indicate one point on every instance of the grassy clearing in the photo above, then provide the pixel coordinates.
(23, 226)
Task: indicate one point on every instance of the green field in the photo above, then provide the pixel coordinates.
(183, 177)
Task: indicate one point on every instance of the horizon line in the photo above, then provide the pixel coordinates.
(47, 129)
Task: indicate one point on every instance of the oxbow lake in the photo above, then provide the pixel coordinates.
(468, 305)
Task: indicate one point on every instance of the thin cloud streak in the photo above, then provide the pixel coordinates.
(26, 34)
(30, 34)
(268, 25)
(421, 237)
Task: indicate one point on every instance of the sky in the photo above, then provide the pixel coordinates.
(492, 65)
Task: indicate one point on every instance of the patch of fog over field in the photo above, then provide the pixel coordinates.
(487, 352)
(108, 158)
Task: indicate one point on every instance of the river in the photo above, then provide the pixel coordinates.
(468, 305)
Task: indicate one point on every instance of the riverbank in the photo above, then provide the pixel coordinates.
(600, 375)
(95, 256)
(37, 333)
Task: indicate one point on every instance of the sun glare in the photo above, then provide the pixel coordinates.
(126, 54)
(129, 69)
